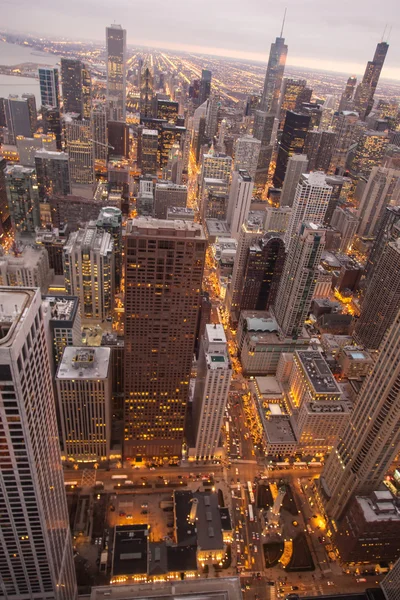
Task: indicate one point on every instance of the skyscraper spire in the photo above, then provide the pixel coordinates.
(273, 78)
(364, 96)
(283, 22)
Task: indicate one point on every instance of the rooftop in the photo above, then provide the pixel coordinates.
(209, 532)
(268, 386)
(84, 363)
(130, 550)
(14, 303)
(317, 371)
(90, 238)
(218, 228)
(63, 308)
(148, 225)
(185, 532)
(279, 429)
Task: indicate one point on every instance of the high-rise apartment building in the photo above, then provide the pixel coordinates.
(148, 157)
(76, 87)
(49, 88)
(294, 93)
(371, 441)
(369, 152)
(345, 126)
(310, 202)
(167, 195)
(52, 169)
(381, 300)
(205, 86)
(214, 374)
(99, 132)
(299, 278)
(35, 546)
(364, 96)
(29, 267)
(247, 151)
(293, 137)
(83, 383)
(64, 321)
(164, 263)
(273, 78)
(116, 72)
(387, 231)
(20, 118)
(23, 198)
(296, 166)
(89, 272)
(110, 219)
(80, 148)
(239, 201)
(346, 99)
(382, 190)
(345, 221)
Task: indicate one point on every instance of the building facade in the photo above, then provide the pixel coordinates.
(116, 72)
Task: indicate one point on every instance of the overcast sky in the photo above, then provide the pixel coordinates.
(336, 34)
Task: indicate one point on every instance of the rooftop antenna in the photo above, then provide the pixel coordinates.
(383, 34)
(283, 22)
(389, 34)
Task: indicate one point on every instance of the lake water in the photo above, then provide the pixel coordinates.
(11, 54)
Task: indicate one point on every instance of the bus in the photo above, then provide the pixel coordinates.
(251, 514)
(251, 494)
(119, 476)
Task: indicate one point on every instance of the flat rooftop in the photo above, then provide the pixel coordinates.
(185, 532)
(84, 363)
(209, 530)
(130, 550)
(268, 386)
(218, 228)
(148, 225)
(63, 308)
(14, 304)
(317, 371)
(279, 430)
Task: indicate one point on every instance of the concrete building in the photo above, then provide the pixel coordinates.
(79, 146)
(247, 151)
(381, 190)
(323, 285)
(215, 166)
(83, 383)
(27, 268)
(89, 272)
(77, 210)
(214, 374)
(110, 219)
(148, 154)
(20, 120)
(345, 126)
(370, 150)
(177, 213)
(167, 195)
(52, 170)
(28, 146)
(53, 240)
(23, 198)
(99, 132)
(76, 87)
(116, 72)
(35, 546)
(277, 218)
(391, 584)
(63, 316)
(239, 201)
(297, 165)
(298, 281)
(355, 362)
(345, 221)
(161, 310)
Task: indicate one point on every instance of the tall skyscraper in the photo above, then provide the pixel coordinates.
(118, 139)
(239, 201)
(387, 231)
(345, 126)
(35, 546)
(148, 151)
(310, 203)
(205, 86)
(110, 219)
(213, 104)
(49, 88)
(52, 169)
(345, 221)
(164, 263)
(99, 132)
(293, 137)
(381, 300)
(116, 72)
(299, 278)
(273, 78)
(382, 190)
(294, 93)
(76, 87)
(214, 374)
(51, 121)
(371, 441)
(79, 145)
(370, 150)
(391, 584)
(297, 165)
(89, 272)
(19, 118)
(364, 96)
(147, 89)
(23, 198)
(265, 129)
(247, 151)
(346, 99)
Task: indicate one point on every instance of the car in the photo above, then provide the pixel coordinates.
(269, 582)
(294, 588)
(144, 505)
(255, 548)
(122, 514)
(361, 580)
(144, 512)
(257, 536)
(330, 583)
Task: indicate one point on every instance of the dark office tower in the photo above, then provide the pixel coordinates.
(294, 134)
(23, 198)
(170, 135)
(76, 87)
(116, 72)
(49, 88)
(110, 219)
(382, 298)
(311, 147)
(371, 440)
(364, 96)
(194, 90)
(204, 318)
(148, 151)
(205, 86)
(325, 150)
(2, 113)
(99, 130)
(146, 90)
(118, 138)
(52, 123)
(164, 263)
(18, 118)
(31, 100)
(347, 96)
(388, 231)
(291, 90)
(264, 267)
(168, 110)
(52, 169)
(5, 220)
(274, 75)
(265, 128)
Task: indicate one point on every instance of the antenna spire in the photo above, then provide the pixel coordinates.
(389, 34)
(383, 34)
(283, 22)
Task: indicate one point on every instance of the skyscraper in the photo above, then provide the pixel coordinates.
(52, 169)
(299, 278)
(310, 203)
(213, 104)
(364, 96)
(116, 72)
(79, 145)
(49, 88)
(294, 93)
(382, 190)
(387, 231)
(371, 441)
(370, 150)
(35, 546)
(205, 86)
(110, 219)
(147, 88)
(118, 139)
(211, 391)
(273, 78)
(164, 263)
(19, 118)
(391, 584)
(293, 137)
(381, 299)
(76, 87)
(148, 151)
(239, 201)
(297, 165)
(23, 198)
(344, 125)
(247, 151)
(346, 100)
(99, 132)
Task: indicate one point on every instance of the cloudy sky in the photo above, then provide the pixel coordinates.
(336, 34)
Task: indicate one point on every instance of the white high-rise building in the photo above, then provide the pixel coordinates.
(297, 165)
(211, 392)
(371, 441)
(391, 584)
(116, 72)
(84, 399)
(89, 271)
(100, 133)
(299, 278)
(239, 201)
(310, 203)
(215, 166)
(79, 145)
(382, 190)
(36, 559)
(345, 221)
(213, 104)
(247, 151)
